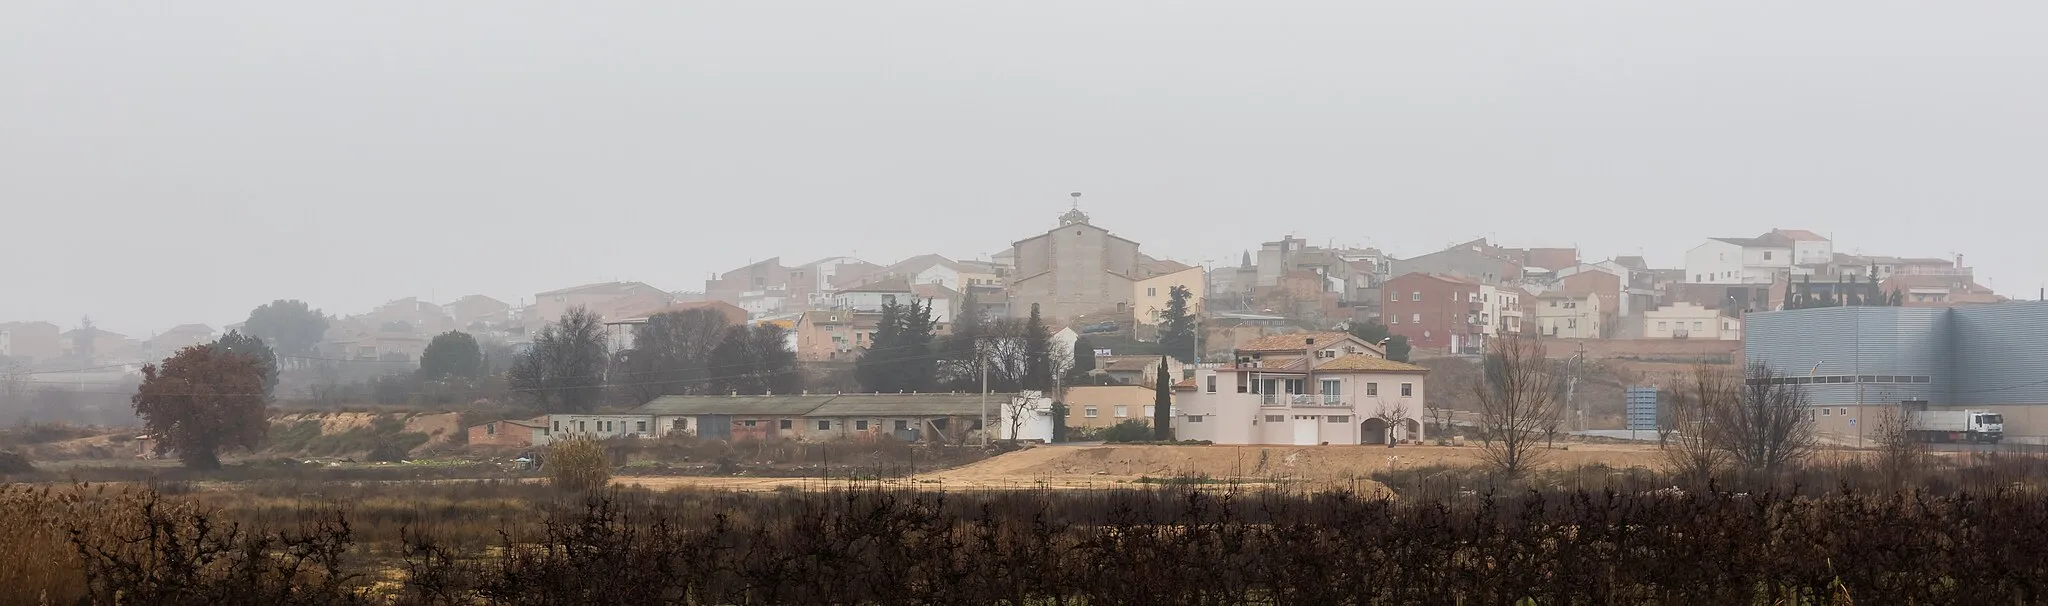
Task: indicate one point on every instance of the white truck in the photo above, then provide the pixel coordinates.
(1980, 426)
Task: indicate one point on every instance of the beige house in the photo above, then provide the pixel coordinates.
(609, 300)
(1098, 406)
(1150, 296)
(1564, 315)
(833, 335)
(1690, 321)
(1304, 389)
(35, 341)
(1073, 270)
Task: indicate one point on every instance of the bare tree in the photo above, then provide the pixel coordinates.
(1690, 450)
(1766, 427)
(1396, 417)
(1517, 401)
(1899, 454)
(1439, 418)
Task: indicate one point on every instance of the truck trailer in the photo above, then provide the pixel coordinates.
(1978, 426)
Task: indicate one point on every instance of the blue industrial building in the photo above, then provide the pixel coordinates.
(1849, 359)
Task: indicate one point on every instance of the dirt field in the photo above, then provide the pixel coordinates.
(1082, 467)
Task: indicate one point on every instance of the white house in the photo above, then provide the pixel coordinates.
(1690, 321)
(871, 297)
(1738, 260)
(1808, 248)
(1303, 389)
(1564, 315)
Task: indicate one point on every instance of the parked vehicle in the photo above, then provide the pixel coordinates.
(1980, 426)
(1100, 327)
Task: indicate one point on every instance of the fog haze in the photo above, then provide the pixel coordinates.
(186, 162)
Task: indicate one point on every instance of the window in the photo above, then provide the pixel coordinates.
(1332, 387)
(1415, 296)
(749, 423)
(490, 429)
(1088, 411)
(1571, 322)
(640, 426)
(902, 425)
(1152, 292)
(1571, 304)
(1826, 412)
(581, 427)
(1340, 418)
(1695, 326)
(1194, 418)
(676, 425)
(1844, 411)
(1767, 255)
(824, 425)
(1296, 385)
(1407, 390)
(1148, 411)
(1394, 319)
(1123, 412)
(1415, 319)
(1372, 389)
(1276, 418)
(1553, 303)
(786, 424)
(1305, 417)
(1660, 326)
(558, 425)
(1212, 383)
(860, 425)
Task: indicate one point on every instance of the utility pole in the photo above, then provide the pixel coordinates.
(985, 426)
(1571, 387)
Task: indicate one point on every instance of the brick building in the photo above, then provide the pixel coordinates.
(1435, 311)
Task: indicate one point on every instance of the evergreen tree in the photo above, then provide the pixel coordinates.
(754, 360)
(452, 354)
(1084, 360)
(1162, 405)
(917, 361)
(249, 345)
(1037, 353)
(876, 370)
(1177, 326)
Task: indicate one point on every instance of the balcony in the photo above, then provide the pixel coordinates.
(1301, 400)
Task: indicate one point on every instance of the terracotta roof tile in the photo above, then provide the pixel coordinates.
(1293, 342)
(1361, 362)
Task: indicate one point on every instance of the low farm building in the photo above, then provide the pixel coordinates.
(732, 417)
(909, 417)
(598, 426)
(514, 433)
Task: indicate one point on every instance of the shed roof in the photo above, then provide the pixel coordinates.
(909, 405)
(786, 405)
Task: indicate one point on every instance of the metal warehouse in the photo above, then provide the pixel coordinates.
(1854, 360)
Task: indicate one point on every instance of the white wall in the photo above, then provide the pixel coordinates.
(1036, 412)
(565, 426)
(1813, 251)
(940, 275)
(1714, 262)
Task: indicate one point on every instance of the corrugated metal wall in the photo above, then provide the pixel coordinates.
(1856, 341)
(2003, 354)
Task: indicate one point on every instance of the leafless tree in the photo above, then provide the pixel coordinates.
(1691, 450)
(1517, 401)
(1018, 409)
(1396, 417)
(1439, 418)
(1899, 454)
(14, 383)
(1765, 427)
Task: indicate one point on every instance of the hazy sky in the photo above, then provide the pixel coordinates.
(183, 162)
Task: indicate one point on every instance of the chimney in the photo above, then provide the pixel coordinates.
(1959, 261)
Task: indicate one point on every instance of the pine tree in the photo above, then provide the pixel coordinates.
(1037, 353)
(1084, 360)
(877, 370)
(1177, 326)
(917, 363)
(1162, 405)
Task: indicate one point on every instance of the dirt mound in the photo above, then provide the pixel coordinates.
(438, 427)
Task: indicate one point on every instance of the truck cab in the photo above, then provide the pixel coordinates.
(1986, 426)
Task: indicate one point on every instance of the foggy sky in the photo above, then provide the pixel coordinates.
(179, 162)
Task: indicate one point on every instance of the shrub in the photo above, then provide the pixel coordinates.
(578, 465)
(1127, 431)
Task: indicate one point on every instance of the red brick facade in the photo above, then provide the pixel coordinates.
(1430, 308)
